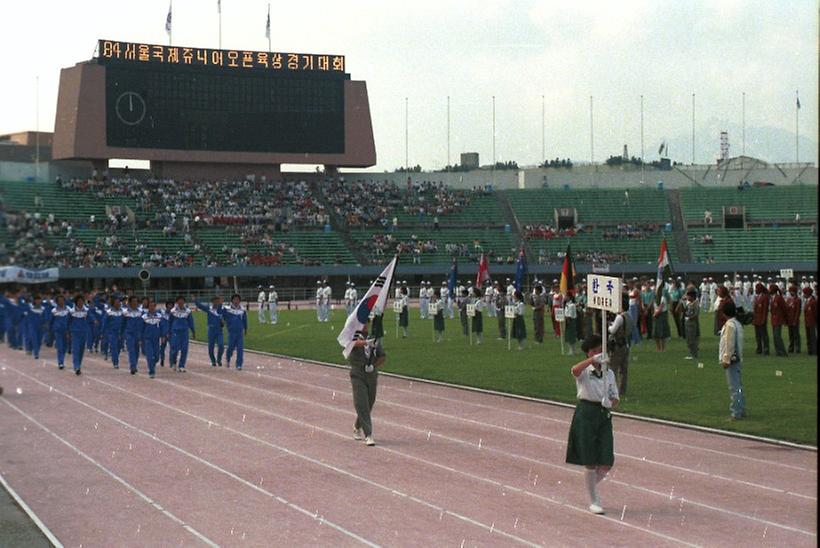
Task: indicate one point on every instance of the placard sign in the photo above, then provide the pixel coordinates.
(509, 311)
(559, 314)
(470, 310)
(397, 307)
(786, 273)
(432, 309)
(604, 293)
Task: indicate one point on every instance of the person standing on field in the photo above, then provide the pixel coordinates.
(261, 301)
(691, 322)
(778, 312)
(760, 318)
(499, 304)
(730, 356)
(810, 320)
(793, 306)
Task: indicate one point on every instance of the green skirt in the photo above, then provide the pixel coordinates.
(438, 321)
(519, 328)
(478, 323)
(590, 435)
(660, 326)
(404, 317)
(570, 332)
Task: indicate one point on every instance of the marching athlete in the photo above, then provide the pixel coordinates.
(113, 326)
(58, 326)
(152, 334)
(215, 324)
(80, 329)
(590, 435)
(365, 359)
(132, 316)
(181, 320)
(236, 318)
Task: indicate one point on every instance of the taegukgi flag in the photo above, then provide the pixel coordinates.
(374, 299)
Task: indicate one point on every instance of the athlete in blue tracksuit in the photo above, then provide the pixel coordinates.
(102, 309)
(14, 310)
(48, 336)
(2, 322)
(113, 326)
(153, 325)
(35, 322)
(94, 324)
(133, 332)
(236, 318)
(181, 320)
(58, 326)
(215, 323)
(97, 328)
(80, 328)
(166, 317)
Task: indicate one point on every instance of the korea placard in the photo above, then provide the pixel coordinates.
(470, 310)
(432, 309)
(604, 293)
(509, 312)
(397, 306)
(559, 314)
(786, 273)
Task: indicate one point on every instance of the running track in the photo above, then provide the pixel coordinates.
(265, 457)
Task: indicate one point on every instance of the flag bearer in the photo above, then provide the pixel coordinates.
(590, 435)
(80, 329)
(152, 334)
(113, 325)
(273, 305)
(132, 316)
(215, 323)
(236, 318)
(180, 322)
(58, 325)
(365, 359)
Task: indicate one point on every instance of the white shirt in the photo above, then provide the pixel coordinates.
(510, 290)
(730, 331)
(261, 298)
(591, 388)
(570, 310)
(327, 292)
(273, 296)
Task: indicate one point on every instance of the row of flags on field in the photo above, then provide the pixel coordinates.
(169, 17)
(376, 297)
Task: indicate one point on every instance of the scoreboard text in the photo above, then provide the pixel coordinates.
(114, 51)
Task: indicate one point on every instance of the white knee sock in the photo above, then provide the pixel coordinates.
(591, 480)
(601, 474)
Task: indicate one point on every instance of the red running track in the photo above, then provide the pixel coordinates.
(265, 457)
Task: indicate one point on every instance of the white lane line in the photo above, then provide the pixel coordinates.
(114, 476)
(284, 331)
(304, 424)
(323, 464)
(551, 419)
(211, 465)
(642, 460)
(30, 513)
(665, 424)
(505, 453)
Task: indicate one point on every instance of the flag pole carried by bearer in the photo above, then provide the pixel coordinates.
(566, 285)
(374, 299)
(664, 271)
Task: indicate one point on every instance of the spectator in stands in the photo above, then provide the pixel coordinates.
(707, 217)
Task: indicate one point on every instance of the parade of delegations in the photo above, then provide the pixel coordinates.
(193, 338)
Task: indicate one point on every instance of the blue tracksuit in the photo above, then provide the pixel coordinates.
(133, 334)
(180, 320)
(236, 319)
(94, 321)
(58, 326)
(48, 336)
(35, 322)
(14, 318)
(80, 328)
(215, 336)
(152, 331)
(113, 325)
(166, 318)
(2, 323)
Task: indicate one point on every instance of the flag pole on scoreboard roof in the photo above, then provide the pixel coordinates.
(168, 26)
(219, 12)
(374, 300)
(267, 29)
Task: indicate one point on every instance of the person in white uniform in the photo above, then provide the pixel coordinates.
(320, 295)
(261, 301)
(273, 305)
(424, 300)
(489, 299)
(328, 295)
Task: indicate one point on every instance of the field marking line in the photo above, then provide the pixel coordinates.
(114, 476)
(499, 451)
(211, 465)
(304, 424)
(532, 434)
(29, 512)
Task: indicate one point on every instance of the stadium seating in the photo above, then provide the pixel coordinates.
(786, 244)
(64, 204)
(590, 241)
(767, 203)
(593, 205)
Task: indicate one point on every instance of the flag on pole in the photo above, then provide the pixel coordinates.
(483, 271)
(452, 279)
(168, 19)
(218, 6)
(267, 25)
(567, 283)
(664, 271)
(798, 100)
(374, 299)
(520, 270)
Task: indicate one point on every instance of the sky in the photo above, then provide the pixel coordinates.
(517, 51)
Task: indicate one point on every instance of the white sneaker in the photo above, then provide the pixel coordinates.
(357, 434)
(596, 508)
(370, 441)
(688, 358)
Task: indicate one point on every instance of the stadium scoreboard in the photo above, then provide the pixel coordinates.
(186, 98)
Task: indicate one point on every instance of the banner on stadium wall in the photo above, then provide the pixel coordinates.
(15, 274)
(600, 268)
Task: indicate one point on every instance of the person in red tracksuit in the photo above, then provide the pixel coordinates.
(778, 312)
(760, 319)
(793, 305)
(810, 320)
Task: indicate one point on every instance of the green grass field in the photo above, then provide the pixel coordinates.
(660, 385)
